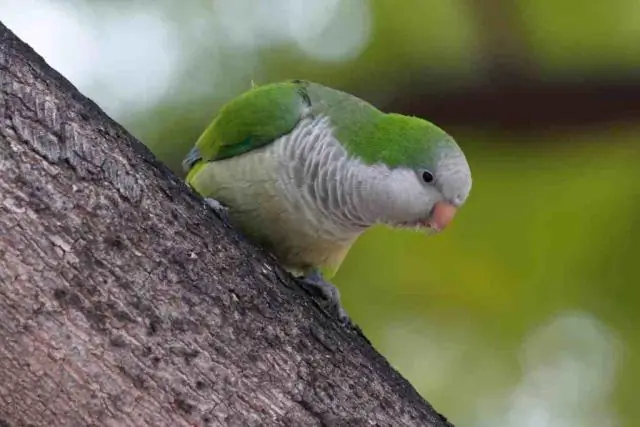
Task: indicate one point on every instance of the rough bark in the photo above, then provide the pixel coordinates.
(124, 301)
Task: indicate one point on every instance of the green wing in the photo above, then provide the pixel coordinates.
(253, 119)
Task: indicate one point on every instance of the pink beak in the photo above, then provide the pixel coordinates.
(442, 215)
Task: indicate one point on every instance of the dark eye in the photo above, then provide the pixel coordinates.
(427, 176)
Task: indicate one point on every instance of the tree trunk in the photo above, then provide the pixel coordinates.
(124, 301)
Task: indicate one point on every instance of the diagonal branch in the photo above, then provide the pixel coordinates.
(124, 301)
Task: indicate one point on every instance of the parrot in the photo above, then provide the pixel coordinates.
(302, 170)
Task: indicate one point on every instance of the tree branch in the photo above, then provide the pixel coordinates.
(526, 105)
(125, 301)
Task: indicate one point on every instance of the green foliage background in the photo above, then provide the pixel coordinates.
(525, 312)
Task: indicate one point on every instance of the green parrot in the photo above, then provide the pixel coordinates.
(303, 170)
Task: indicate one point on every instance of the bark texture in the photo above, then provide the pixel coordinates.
(124, 301)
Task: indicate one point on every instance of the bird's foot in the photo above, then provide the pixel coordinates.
(219, 208)
(315, 284)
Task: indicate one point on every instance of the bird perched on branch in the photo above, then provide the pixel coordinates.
(303, 170)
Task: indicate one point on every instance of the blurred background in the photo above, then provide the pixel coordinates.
(525, 313)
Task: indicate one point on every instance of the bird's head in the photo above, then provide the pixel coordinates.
(429, 177)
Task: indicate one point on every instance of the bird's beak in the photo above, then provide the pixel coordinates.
(441, 215)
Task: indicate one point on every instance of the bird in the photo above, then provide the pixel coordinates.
(302, 170)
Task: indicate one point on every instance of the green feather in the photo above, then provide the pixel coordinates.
(375, 137)
(265, 113)
(253, 119)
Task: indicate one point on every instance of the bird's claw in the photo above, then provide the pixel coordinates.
(329, 293)
(219, 208)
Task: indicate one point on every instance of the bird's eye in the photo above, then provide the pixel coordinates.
(427, 176)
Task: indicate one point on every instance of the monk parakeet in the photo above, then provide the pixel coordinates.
(303, 170)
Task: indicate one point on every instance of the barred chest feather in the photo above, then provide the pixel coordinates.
(296, 196)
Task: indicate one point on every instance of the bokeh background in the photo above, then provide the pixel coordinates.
(525, 313)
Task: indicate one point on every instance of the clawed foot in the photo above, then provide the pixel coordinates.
(317, 286)
(219, 208)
